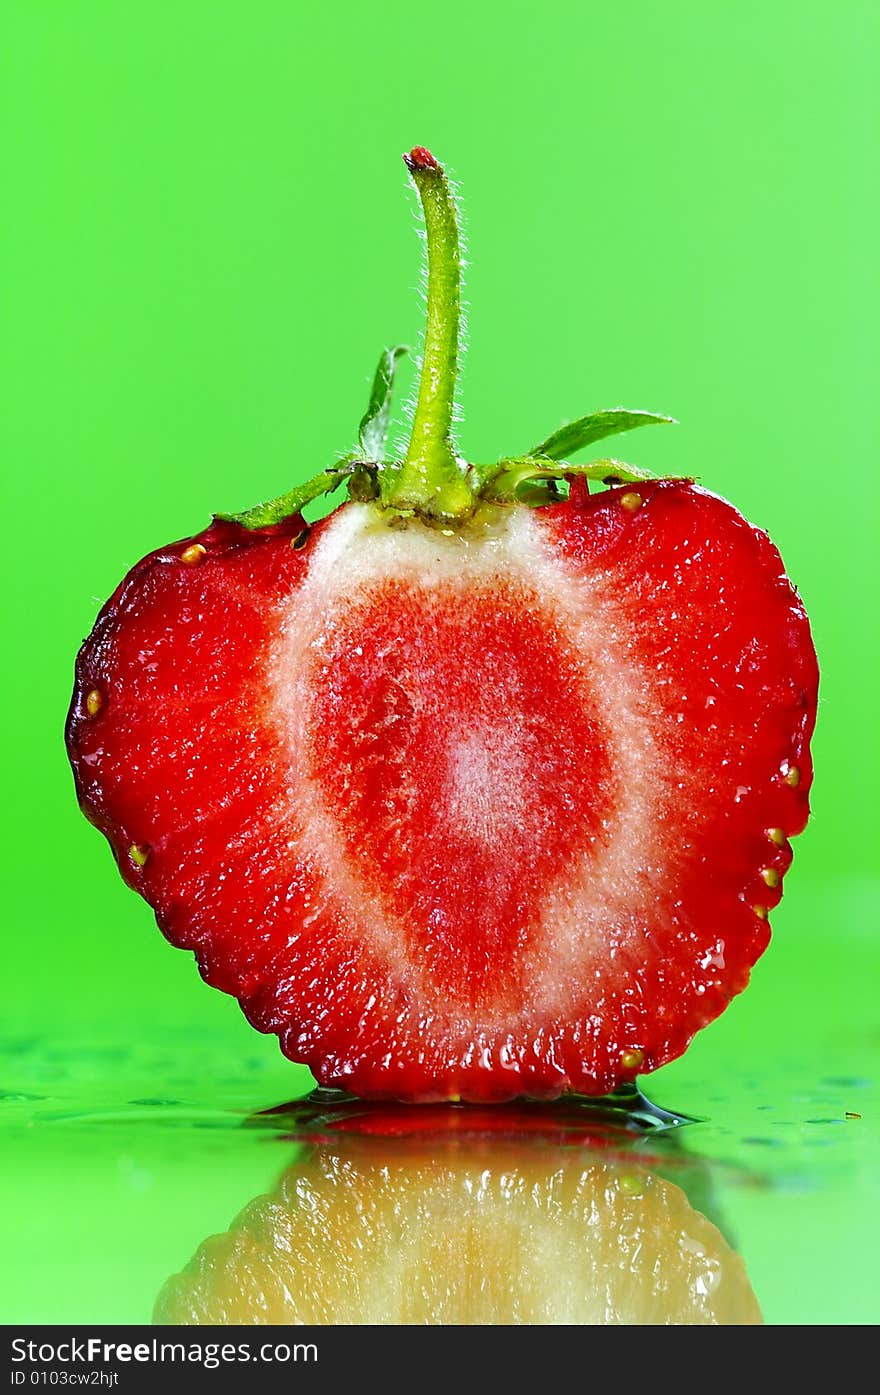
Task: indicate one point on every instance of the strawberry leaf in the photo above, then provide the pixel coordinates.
(373, 430)
(574, 435)
(611, 471)
(530, 480)
(358, 468)
(295, 500)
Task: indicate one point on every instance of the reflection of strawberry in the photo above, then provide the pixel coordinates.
(482, 786)
(454, 1227)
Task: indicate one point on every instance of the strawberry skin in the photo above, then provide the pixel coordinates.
(473, 813)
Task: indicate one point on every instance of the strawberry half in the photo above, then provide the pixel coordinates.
(481, 786)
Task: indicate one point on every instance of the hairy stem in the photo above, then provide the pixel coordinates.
(430, 479)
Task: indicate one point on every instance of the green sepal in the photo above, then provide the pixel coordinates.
(528, 480)
(373, 430)
(574, 435)
(295, 500)
(535, 493)
(359, 469)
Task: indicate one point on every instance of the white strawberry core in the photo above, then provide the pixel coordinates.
(472, 774)
(487, 784)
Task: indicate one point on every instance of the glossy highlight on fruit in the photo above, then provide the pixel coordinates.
(481, 786)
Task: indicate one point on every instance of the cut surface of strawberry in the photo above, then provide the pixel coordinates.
(462, 796)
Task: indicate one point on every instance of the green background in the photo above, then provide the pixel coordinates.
(207, 238)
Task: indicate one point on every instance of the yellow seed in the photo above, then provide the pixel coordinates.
(300, 540)
(632, 1058)
(192, 554)
(138, 854)
(760, 912)
(776, 835)
(94, 702)
(631, 1185)
(792, 776)
(631, 501)
(770, 876)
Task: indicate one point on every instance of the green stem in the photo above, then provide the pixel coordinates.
(431, 480)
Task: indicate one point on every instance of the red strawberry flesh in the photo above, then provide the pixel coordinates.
(480, 815)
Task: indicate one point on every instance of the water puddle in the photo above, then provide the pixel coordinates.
(181, 1185)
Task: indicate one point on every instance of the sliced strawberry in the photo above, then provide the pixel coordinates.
(475, 816)
(460, 797)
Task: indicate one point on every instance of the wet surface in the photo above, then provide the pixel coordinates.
(753, 1193)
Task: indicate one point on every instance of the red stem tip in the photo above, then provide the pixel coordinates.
(420, 159)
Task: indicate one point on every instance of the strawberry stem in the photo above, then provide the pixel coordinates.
(431, 480)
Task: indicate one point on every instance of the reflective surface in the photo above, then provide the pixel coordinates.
(121, 1163)
(517, 1214)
